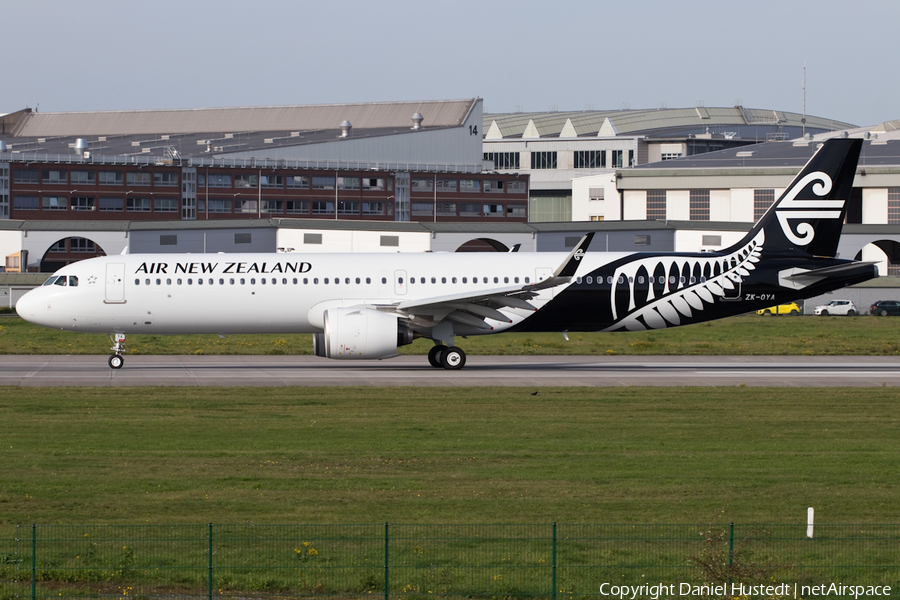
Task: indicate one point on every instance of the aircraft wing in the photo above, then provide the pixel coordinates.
(473, 308)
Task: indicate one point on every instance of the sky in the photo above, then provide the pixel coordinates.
(526, 55)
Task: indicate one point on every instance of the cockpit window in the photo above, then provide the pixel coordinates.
(61, 280)
(50, 280)
(73, 281)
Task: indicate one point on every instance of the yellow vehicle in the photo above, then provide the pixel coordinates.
(782, 309)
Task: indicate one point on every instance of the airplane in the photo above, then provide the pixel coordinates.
(364, 306)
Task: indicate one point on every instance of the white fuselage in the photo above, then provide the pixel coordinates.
(274, 293)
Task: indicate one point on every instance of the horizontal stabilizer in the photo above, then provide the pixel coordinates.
(832, 270)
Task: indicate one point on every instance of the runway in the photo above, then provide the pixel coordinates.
(524, 371)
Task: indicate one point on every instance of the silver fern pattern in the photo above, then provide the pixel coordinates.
(682, 295)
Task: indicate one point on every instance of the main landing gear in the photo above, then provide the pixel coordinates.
(117, 360)
(452, 358)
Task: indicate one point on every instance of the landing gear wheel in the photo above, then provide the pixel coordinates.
(434, 356)
(453, 358)
(116, 361)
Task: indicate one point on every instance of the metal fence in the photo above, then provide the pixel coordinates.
(394, 560)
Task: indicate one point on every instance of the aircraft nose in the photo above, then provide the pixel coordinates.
(27, 306)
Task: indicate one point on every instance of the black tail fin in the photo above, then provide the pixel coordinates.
(809, 215)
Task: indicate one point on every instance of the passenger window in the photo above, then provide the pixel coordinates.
(443, 280)
(384, 280)
(496, 280)
(295, 281)
(210, 281)
(434, 280)
(231, 281)
(516, 280)
(146, 282)
(485, 280)
(609, 279)
(368, 280)
(589, 280)
(506, 280)
(168, 282)
(412, 280)
(399, 280)
(199, 281)
(357, 280)
(221, 282)
(453, 280)
(528, 280)
(465, 280)
(316, 281)
(305, 281)
(578, 280)
(158, 282)
(178, 281)
(136, 282)
(325, 281)
(190, 281)
(284, 281)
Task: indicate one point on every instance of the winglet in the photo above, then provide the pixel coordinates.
(570, 265)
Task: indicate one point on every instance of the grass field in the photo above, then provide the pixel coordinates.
(370, 455)
(749, 334)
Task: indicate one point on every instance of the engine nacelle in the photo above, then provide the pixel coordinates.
(357, 333)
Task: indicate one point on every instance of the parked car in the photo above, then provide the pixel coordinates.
(791, 308)
(836, 307)
(885, 308)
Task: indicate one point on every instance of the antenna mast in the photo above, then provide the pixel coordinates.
(803, 120)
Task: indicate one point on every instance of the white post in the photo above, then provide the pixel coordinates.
(809, 522)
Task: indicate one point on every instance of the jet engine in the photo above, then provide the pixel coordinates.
(358, 333)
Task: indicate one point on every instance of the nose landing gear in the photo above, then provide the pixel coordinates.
(117, 360)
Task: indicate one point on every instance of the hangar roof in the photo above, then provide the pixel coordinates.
(664, 122)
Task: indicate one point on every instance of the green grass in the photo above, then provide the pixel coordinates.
(351, 455)
(749, 334)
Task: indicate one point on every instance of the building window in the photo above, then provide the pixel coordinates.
(503, 160)
(219, 180)
(543, 160)
(55, 177)
(272, 181)
(25, 176)
(275, 207)
(373, 184)
(298, 207)
(218, 205)
(590, 159)
(515, 187)
(446, 185)
(699, 210)
(711, 240)
(469, 185)
(492, 186)
(246, 181)
(168, 240)
(165, 204)
(139, 179)
(166, 179)
(110, 178)
(80, 244)
(494, 210)
(422, 209)
(373, 208)
(348, 208)
(54, 203)
(518, 211)
(469, 210)
(323, 183)
(893, 205)
(390, 240)
(422, 185)
(111, 204)
(348, 183)
(762, 200)
(26, 202)
(616, 159)
(320, 207)
(642, 240)
(82, 177)
(138, 204)
(246, 206)
(446, 209)
(82, 203)
(656, 205)
(243, 238)
(298, 182)
(312, 238)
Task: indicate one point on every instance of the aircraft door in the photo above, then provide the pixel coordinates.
(400, 283)
(735, 292)
(115, 283)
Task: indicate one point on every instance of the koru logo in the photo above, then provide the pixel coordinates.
(578, 254)
(792, 209)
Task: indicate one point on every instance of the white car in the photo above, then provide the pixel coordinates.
(836, 307)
